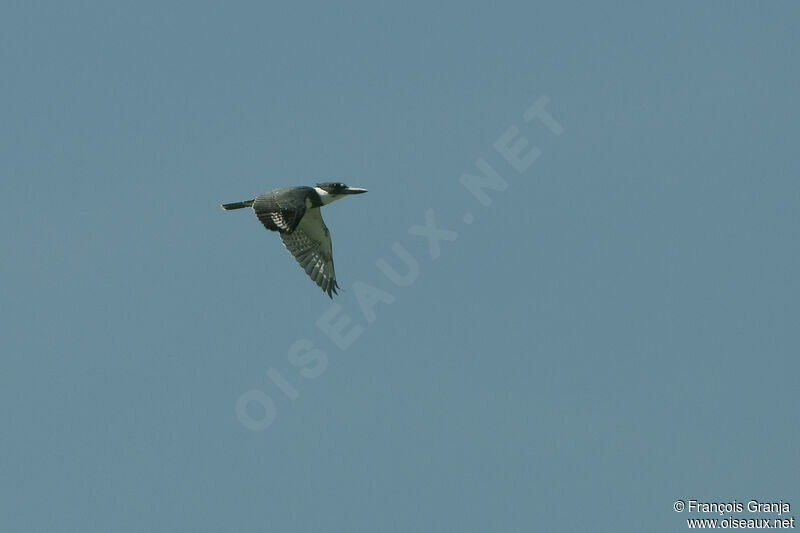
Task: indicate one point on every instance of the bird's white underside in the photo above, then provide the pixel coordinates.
(310, 244)
(314, 227)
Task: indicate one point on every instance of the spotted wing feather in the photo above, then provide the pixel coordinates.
(310, 244)
(281, 212)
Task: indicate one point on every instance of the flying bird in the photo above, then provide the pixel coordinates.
(294, 213)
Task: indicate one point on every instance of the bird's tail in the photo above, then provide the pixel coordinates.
(238, 205)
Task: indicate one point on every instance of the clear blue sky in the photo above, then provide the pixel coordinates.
(616, 330)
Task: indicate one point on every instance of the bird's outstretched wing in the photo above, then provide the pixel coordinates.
(310, 244)
(283, 218)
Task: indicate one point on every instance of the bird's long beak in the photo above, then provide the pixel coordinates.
(353, 190)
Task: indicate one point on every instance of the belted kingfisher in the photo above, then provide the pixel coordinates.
(294, 213)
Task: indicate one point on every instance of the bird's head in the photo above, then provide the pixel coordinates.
(331, 190)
